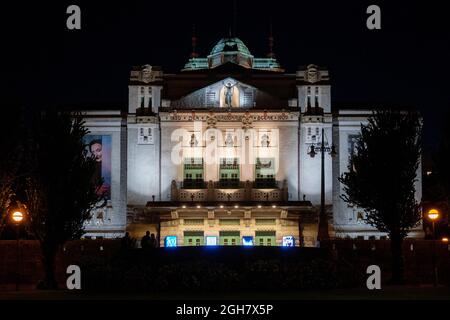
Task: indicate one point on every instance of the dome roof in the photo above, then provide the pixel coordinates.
(230, 45)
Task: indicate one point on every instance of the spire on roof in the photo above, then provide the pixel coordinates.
(271, 54)
(234, 29)
(194, 53)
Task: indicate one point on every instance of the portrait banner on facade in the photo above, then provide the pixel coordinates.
(99, 147)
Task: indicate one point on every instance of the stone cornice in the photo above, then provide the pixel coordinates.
(244, 116)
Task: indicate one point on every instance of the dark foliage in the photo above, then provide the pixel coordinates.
(382, 174)
(11, 133)
(59, 190)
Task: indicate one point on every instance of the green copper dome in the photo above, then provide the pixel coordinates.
(230, 45)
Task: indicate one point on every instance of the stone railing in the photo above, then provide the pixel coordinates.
(218, 191)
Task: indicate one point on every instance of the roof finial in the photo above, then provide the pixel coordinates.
(234, 18)
(271, 54)
(194, 53)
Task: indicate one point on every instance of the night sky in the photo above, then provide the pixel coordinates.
(405, 63)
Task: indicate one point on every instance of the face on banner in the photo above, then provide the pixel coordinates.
(99, 147)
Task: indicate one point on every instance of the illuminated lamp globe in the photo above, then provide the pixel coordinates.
(433, 214)
(17, 216)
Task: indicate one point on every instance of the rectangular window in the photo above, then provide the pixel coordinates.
(145, 136)
(308, 98)
(210, 99)
(265, 173)
(229, 222)
(229, 172)
(316, 96)
(265, 222)
(194, 222)
(352, 142)
(193, 173)
(248, 98)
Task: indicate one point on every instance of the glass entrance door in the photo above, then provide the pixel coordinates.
(229, 238)
(265, 238)
(194, 238)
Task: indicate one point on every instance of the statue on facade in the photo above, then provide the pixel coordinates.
(229, 140)
(265, 140)
(194, 141)
(229, 88)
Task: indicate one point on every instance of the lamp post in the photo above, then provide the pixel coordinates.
(322, 233)
(433, 215)
(17, 218)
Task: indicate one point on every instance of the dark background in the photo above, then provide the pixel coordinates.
(403, 64)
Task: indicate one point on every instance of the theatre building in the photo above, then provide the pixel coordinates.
(220, 153)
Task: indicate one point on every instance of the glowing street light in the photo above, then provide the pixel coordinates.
(17, 217)
(433, 215)
(444, 239)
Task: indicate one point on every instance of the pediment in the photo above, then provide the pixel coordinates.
(226, 93)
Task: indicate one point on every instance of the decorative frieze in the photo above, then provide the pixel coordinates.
(246, 118)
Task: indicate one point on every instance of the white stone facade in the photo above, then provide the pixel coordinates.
(171, 118)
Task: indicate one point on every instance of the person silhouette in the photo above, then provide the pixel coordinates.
(126, 242)
(153, 243)
(145, 241)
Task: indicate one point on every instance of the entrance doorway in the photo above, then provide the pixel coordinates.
(265, 238)
(229, 238)
(194, 238)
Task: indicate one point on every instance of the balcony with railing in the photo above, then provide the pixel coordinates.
(193, 184)
(265, 184)
(229, 184)
(229, 190)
